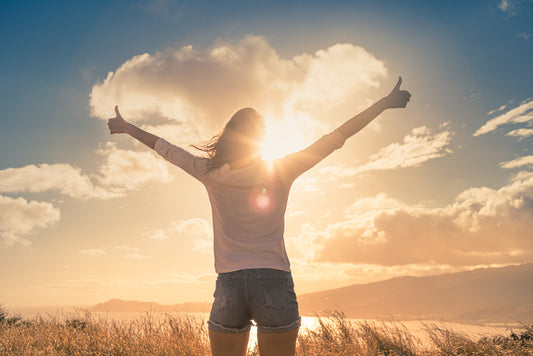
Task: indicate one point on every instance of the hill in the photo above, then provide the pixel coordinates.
(483, 295)
(132, 306)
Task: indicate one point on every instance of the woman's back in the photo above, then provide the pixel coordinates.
(248, 204)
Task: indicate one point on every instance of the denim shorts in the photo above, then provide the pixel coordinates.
(263, 295)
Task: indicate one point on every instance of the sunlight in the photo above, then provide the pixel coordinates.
(283, 137)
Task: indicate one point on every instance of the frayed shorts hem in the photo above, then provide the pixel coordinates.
(280, 329)
(211, 325)
(262, 329)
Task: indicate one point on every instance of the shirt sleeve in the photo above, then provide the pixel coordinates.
(293, 165)
(181, 158)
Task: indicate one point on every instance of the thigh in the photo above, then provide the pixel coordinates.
(277, 344)
(228, 344)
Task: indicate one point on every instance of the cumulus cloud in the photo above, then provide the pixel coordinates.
(520, 114)
(482, 226)
(61, 177)
(202, 88)
(19, 218)
(518, 162)
(126, 169)
(120, 171)
(419, 146)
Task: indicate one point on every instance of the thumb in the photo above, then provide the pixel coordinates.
(117, 112)
(397, 86)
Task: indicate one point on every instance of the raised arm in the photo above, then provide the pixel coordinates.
(396, 99)
(118, 125)
(291, 166)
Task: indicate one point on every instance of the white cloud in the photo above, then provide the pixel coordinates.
(504, 5)
(521, 133)
(61, 177)
(518, 162)
(125, 169)
(325, 85)
(520, 114)
(202, 88)
(513, 7)
(419, 146)
(482, 226)
(501, 108)
(19, 218)
(121, 170)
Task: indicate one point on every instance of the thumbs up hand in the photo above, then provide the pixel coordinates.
(397, 98)
(117, 124)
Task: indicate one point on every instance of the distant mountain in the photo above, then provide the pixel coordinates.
(132, 306)
(478, 296)
(482, 295)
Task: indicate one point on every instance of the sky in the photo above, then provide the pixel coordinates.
(443, 185)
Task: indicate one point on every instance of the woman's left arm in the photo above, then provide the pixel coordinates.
(396, 99)
(296, 163)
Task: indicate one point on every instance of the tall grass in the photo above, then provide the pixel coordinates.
(85, 334)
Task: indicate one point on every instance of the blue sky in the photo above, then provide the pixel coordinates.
(458, 157)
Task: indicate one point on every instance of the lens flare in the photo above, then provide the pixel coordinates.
(263, 201)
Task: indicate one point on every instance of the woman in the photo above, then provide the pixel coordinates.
(248, 200)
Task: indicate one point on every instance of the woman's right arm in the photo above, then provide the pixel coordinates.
(172, 153)
(118, 125)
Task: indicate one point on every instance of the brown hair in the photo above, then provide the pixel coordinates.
(241, 137)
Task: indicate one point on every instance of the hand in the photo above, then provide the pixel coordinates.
(117, 124)
(397, 98)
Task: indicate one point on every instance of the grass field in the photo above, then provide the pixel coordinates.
(86, 334)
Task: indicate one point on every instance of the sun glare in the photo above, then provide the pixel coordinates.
(283, 137)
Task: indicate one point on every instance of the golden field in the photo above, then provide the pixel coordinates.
(169, 334)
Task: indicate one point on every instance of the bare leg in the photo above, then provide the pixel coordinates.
(228, 344)
(277, 344)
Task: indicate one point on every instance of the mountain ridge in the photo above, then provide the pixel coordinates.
(485, 295)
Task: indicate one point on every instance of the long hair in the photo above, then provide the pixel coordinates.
(241, 137)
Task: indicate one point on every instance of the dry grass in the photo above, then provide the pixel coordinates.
(86, 335)
(187, 335)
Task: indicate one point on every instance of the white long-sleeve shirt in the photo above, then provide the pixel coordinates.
(248, 204)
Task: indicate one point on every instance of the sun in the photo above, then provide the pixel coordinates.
(283, 137)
